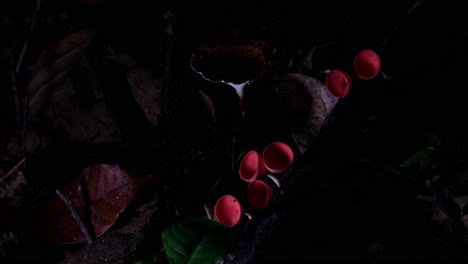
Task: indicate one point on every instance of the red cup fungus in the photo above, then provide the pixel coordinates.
(259, 194)
(278, 156)
(252, 166)
(228, 210)
(367, 64)
(338, 83)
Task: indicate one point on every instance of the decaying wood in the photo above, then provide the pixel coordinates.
(308, 102)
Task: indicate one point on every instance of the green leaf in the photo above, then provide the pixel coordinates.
(423, 156)
(394, 169)
(198, 240)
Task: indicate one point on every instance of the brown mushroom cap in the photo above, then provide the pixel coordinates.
(232, 62)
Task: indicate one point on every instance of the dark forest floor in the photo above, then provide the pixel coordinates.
(123, 92)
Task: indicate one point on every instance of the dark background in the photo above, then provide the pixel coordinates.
(339, 206)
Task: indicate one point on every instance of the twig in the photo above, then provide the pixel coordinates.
(411, 11)
(216, 184)
(75, 215)
(233, 145)
(20, 60)
(15, 90)
(169, 19)
(167, 100)
(25, 100)
(14, 169)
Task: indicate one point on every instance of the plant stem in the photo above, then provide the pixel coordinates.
(22, 55)
(233, 145)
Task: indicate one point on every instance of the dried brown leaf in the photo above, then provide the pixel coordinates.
(58, 60)
(99, 195)
(146, 90)
(54, 98)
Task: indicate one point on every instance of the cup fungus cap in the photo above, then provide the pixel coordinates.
(252, 166)
(367, 64)
(278, 156)
(259, 194)
(228, 210)
(338, 83)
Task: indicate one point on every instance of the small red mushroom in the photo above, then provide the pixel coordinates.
(278, 156)
(367, 64)
(259, 194)
(338, 83)
(252, 166)
(228, 210)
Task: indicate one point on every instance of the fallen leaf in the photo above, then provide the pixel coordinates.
(146, 90)
(99, 194)
(53, 65)
(66, 97)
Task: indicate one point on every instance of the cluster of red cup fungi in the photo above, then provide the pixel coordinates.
(366, 66)
(277, 157)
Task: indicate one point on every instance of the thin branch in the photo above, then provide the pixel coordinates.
(233, 146)
(66, 199)
(14, 169)
(414, 7)
(169, 20)
(167, 92)
(22, 55)
(15, 90)
(217, 183)
(23, 115)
